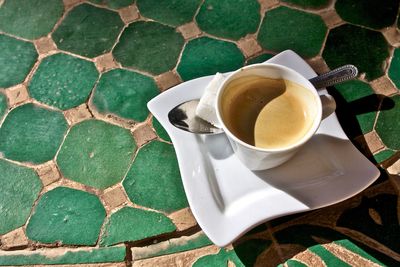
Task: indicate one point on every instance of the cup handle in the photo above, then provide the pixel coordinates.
(328, 105)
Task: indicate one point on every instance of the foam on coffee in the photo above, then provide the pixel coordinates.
(267, 113)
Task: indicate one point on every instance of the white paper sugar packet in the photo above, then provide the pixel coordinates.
(206, 107)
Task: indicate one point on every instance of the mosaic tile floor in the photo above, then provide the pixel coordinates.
(88, 177)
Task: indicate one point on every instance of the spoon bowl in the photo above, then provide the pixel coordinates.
(184, 117)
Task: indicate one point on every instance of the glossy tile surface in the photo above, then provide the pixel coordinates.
(88, 176)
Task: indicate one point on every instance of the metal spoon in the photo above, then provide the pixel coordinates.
(184, 116)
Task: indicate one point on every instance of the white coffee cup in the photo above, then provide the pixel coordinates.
(256, 158)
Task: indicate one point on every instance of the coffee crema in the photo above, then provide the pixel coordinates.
(268, 113)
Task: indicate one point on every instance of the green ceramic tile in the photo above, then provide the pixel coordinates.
(88, 31)
(327, 257)
(149, 46)
(293, 263)
(67, 256)
(198, 242)
(365, 49)
(285, 28)
(131, 224)
(223, 19)
(369, 13)
(171, 12)
(20, 187)
(308, 3)
(156, 167)
(96, 153)
(161, 132)
(386, 230)
(66, 215)
(63, 81)
(383, 155)
(124, 93)
(220, 259)
(259, 59)
(3, 105)
(32, 134)
(394, 69)
(249, 250)
(206, 56)
(114, 4)
(359, 95)
(308, 235)
(30, 19)
(387, 125)
(353, 248)
(172, 245)
(16, 60)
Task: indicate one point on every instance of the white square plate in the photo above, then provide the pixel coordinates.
(227, 199)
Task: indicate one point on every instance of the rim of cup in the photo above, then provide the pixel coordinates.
(309, 86)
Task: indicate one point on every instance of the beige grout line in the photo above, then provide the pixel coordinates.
(16, 37)
(315, 11)
(351, 258)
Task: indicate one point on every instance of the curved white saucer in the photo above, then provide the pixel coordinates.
(227, 199)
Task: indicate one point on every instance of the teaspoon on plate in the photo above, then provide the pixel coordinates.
(184, 116)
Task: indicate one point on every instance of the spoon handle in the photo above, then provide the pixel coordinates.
(341, 74)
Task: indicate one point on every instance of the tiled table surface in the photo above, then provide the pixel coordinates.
(88, 177)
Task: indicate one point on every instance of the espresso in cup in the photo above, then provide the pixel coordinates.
(268, 113)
